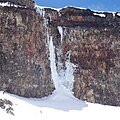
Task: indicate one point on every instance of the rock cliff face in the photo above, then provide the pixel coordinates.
(90, 40)
(24, 62)
(24, 3)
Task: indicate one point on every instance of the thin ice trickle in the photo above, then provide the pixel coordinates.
(53, 63)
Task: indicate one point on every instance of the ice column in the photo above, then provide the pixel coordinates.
(53, 63)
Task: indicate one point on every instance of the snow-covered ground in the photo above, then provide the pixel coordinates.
(61, 105)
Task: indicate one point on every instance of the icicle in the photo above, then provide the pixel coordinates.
(60, 29)
(41, 11)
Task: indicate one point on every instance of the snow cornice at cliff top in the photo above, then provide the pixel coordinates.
(95, 12)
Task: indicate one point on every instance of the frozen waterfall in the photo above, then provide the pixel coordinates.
(62, 79)
(53, 64)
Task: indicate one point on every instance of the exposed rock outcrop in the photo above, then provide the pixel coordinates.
(24, 3)
(95, 52)
(93, 41)
(24, 54)
(7, 106)
(91, 38)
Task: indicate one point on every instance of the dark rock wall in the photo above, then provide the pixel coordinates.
(24, 3)
(92, 39)
(94, 43)
(24, 63)
(95, 52)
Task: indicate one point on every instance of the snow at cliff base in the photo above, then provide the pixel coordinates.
(59, 106)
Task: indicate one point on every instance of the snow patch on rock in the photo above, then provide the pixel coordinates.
(118, 14)
(99, 14)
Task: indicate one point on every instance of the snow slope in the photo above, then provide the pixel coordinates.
(59, 106)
